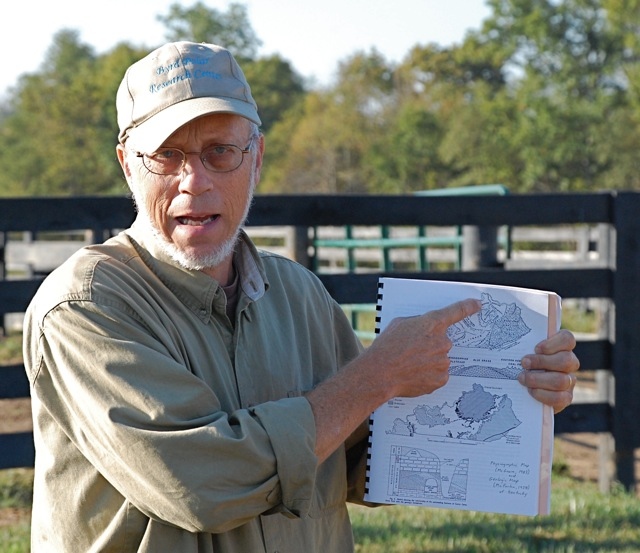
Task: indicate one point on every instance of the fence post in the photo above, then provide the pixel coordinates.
(606, 443)
(3, 261)
(626, 349)
(3, 274)
(386, 253)
(299, 245)
(480, 249)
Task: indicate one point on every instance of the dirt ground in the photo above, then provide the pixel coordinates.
(15, 416)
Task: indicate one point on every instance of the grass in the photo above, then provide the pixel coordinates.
(16, 493)
(580, 320)
(11, 349)
(15, 538)
(16, 487)
(582, 520)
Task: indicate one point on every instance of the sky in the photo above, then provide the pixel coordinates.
(314, 36)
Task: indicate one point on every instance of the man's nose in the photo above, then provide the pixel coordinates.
(195, 177)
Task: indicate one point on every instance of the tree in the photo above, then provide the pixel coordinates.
(47, 132)
(200, 23)
(60, 138)
(321, 146)
(59, 130)
(544, 97)
(405, 157)
(450, 92)
(275, 86)
(565, 60)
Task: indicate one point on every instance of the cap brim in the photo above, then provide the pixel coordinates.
(149, 136)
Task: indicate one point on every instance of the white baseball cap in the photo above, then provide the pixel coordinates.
(175, 84)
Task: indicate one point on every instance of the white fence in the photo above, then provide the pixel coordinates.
(518, 247)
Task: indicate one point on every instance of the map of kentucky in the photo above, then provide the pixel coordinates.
(477, 415)
(497, 326)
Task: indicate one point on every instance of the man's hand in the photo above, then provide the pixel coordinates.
(412, 352)
(409, 358)
(550, 372)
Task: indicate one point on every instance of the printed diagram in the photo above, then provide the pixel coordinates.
(496, 327)
(477, 415)
(480, 441)
(418, 474)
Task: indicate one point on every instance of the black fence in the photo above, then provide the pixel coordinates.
(615, 280)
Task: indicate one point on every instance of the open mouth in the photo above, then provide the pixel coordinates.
(196, 221)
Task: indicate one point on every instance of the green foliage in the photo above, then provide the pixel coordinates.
(200, 23)
(16, 488)
(405, 157)
(300, 155)
(276, 87)
(11, 349)
(16, 494)
(60, 138)
(15, 538)
(320, 146)
(544, 97)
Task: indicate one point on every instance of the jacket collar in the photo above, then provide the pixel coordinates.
(194, 288)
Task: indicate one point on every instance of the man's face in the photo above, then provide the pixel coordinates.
(196, 214)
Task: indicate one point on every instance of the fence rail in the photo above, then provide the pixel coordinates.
(612, 278)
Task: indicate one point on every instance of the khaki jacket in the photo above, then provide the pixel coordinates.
(160, 426)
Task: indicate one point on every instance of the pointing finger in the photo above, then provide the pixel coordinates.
(456, 311)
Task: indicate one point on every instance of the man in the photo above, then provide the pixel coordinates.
(191, 394)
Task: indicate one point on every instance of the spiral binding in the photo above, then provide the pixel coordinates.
(377, 331)
(378, 307)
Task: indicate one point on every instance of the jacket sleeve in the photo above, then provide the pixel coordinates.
(156, 432)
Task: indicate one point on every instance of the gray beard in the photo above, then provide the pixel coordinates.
(192, 262)
(209, 260)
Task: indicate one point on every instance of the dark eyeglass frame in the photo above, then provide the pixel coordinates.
(147, 159)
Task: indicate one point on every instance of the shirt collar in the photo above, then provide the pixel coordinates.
(194, 288)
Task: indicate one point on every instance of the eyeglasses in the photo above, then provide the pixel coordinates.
(219, 158)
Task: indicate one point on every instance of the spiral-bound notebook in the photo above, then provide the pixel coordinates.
(480, 442)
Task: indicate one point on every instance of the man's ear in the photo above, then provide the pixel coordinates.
(122, 159)
(259, 157)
